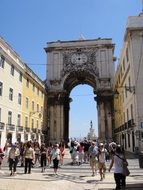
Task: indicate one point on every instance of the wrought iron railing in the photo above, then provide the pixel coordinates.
(10, 127)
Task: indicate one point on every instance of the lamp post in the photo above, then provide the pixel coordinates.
(130, 89)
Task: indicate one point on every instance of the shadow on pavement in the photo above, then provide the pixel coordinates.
(66, 177)
(128, 187)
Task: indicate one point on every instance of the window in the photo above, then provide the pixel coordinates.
(2, 60)
(26, 103)
(18, 120)
(37, 107)
(37, 124)
(19, 98)
(32, 123)
(9, 117)
(27, 83)
(1, 87)
(127, 115)
(32, 105)
(20, 77)
(11, 94)
(12, 70)
(26, 122)
(33, 88)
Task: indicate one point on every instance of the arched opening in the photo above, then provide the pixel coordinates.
(9, 137)
(83, 111)
(18, 137)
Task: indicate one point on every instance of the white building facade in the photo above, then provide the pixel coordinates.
(10, 92)
(129, 82)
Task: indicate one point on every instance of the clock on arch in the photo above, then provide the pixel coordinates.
(79, 58)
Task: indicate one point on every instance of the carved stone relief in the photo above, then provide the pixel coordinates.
(89, 64)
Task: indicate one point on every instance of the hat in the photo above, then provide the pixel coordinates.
(101, 144)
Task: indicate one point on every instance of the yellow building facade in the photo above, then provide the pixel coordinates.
(33, 109)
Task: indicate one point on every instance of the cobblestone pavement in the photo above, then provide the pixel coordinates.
(69, 178)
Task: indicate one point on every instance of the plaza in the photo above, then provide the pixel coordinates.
(69, 178)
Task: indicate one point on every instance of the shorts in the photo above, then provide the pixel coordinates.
(101, 166)
(93, 162)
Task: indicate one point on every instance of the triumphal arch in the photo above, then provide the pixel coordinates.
(70, 63)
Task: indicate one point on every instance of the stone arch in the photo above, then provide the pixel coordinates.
(79, 62)
(79, 77)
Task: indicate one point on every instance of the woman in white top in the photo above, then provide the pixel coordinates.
(29, 157)
(56, 157)
(118, 160)
(101, 160)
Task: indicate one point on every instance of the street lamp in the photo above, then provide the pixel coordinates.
(130, 89)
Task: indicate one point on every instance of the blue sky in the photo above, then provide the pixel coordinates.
(29, 24)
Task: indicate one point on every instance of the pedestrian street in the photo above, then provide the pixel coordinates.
(70, 177)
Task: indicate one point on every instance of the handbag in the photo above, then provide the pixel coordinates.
(126, 171)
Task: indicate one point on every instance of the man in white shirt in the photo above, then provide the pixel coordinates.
(93, 152)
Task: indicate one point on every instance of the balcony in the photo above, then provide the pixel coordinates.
(27, 129)
(2, 126)
(19, 128)
(131, 123)
(10, 127)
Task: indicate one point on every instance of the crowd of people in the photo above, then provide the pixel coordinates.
(97, 154)
(32, 154)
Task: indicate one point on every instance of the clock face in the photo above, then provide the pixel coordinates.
(79, 58)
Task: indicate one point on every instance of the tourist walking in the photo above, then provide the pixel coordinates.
(93, 153)
(29, 157)
(43, 153)
(13, 159)
(37, 153)
(86, 145)
(117, 161)
(62, 150)
(101, 160)
(49, 156)
(81, 153)
(56, 157)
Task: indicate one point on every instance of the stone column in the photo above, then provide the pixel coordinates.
(56, 117)
(104, 118)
